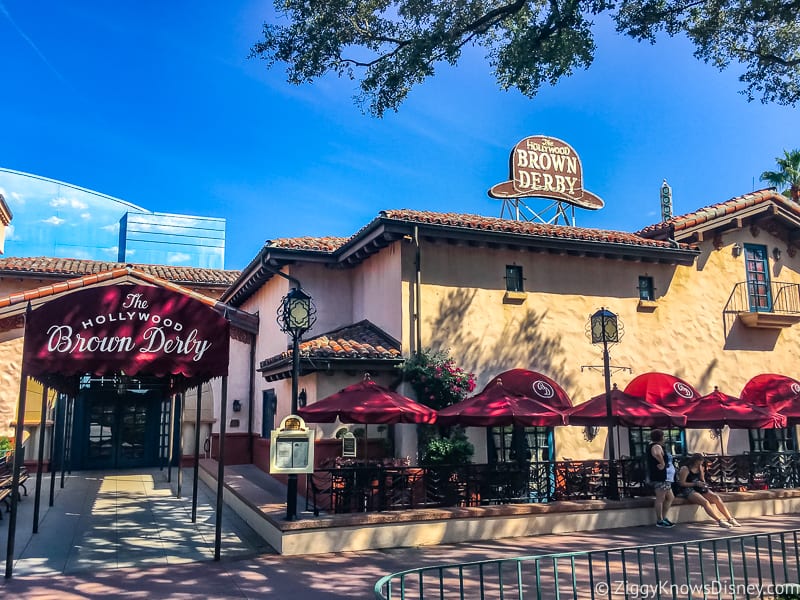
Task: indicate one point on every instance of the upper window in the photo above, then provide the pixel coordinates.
(646, 289)
(514, 278)
(758, 284)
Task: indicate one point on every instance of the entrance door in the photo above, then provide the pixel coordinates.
(117, 431)
(758, 287)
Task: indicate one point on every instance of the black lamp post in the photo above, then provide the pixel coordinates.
(605, 328)
(296, 315)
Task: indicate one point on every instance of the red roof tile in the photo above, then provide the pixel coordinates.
(521, 227)
(322, 244)
(708, 213)
(72, 267)
(362, 340)
(475, 222)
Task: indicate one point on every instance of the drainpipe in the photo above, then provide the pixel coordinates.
(251, 394)
(418, 291)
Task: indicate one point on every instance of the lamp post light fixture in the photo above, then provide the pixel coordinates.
(606, 329)
(296, 315)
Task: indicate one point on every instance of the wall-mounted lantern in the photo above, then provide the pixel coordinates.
(736, 250)
(776, 253)
(237, 406)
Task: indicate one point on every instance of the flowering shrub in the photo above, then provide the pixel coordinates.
(438, 383)
(436, 380)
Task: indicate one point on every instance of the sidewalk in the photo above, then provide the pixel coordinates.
(85, 553)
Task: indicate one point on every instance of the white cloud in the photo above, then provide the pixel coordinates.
(10, 233)
(175, 258)
(70, 202)
(86, 216)
(112, 227)
(54, 220)
(112, 251)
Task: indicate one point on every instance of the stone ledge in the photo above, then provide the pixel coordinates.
(262, 502)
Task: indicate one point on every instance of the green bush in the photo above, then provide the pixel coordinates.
(5, 444)
(440, 448)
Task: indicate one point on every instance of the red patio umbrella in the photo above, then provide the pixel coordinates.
(769, 389)
(778, 392)
(367, 402)
(662, 389)
(533, 385)
(626, 410)
(715, 410)
(496, 406)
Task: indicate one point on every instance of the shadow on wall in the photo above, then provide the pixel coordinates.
(705, 382)
(521, 343)
(740, 337)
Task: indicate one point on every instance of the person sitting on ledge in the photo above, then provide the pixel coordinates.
(692, 485)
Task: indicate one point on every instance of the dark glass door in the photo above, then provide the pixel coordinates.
(119, 431)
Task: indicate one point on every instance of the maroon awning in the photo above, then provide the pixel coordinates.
(126, 329)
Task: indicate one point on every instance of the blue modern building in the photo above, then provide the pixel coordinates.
(57, 219)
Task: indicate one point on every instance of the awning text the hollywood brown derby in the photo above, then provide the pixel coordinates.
(127, 329)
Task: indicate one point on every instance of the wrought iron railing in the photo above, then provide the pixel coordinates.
(382, 488)
(783, 298)
(750, 566)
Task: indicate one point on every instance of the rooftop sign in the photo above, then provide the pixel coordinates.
(545, 167)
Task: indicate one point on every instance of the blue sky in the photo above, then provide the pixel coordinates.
(156, 103)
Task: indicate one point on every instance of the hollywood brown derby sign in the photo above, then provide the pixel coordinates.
(130, 329)
(545, 167)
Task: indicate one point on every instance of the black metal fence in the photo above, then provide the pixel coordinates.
(371, 488)
(781, 297)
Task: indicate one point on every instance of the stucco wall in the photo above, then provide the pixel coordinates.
(377, 290)
(10, 360)
(463, 309)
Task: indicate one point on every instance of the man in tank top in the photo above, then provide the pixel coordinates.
(660, 472)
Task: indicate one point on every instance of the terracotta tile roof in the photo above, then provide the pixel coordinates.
(362, 340)
(497, 224)
(73, 267)
(475, 222)
(322, 244)
(721, 209)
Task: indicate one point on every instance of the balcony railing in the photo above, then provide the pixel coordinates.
(772, 305)
(372, 488)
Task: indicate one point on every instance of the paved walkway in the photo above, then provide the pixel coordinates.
(125, 535)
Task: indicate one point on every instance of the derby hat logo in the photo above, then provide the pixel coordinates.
(795, 387)
(543, 389)
(546, 167)
(683, 390)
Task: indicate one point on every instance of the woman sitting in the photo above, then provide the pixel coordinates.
(692, 485)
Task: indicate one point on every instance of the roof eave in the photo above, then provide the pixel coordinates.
(282, 369)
